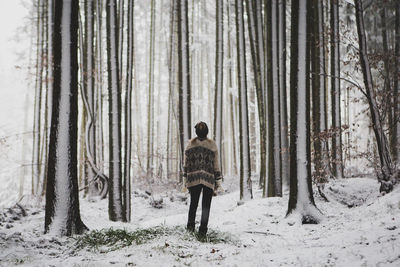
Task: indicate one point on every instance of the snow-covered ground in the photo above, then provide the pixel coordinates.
(361, 228)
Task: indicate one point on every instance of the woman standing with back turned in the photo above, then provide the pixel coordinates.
(201, 173)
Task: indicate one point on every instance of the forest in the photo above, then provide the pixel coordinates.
(302, 99)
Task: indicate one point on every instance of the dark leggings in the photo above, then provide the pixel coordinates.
(206, 203)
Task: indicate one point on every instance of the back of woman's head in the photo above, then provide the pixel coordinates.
(201, 129)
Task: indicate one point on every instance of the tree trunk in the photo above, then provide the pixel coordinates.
(282, 91)
(62, 215)
(172, 75)
(386, 177)
(128, 110)
(36, 170)
(115, 208)
(337, 160)
(301, 200)
(219, 63)
(246, 191)
(396, 91)
(255, 27)
(321, 160)
(88, 76)
(274, 151)
(388, 95)
(184, 75)
(99, 73)
(232, 102)
(150, 104)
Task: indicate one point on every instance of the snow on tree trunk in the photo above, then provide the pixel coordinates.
(337, 160)
(62, 215)
(386, 177)
(115, 209)
(246, 191)
(301, 201)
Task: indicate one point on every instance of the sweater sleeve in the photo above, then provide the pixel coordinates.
(185, 162)
(184, 165)
(217, 169)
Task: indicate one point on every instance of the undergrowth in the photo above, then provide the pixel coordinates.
(106, 240)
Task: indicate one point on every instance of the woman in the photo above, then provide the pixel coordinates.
(201, 173)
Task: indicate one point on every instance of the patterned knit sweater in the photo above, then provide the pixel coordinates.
(201, 163)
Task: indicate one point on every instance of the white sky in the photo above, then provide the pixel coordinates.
(14, 44)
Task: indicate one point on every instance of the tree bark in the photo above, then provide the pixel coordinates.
(301, 200)
(219, 63)
(274, 151)
(115, 207)
(282, 91)
(62, 215)
(184, 76)
(128, 110)
(255, 27)
(337, 160)
(88, 76)
(396, 92)
(150, 104)
(246, 191)
(386, 175)
(321, 159)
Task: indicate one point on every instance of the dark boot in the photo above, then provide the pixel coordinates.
(190, 227)
(203, 231)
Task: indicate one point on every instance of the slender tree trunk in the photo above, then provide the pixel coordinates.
(282, 91)
(49, 81)
(274, 152)
(184, 75)
(386, 65)
(246, 191)
(255, 27)
(386, 176)
(150, 104)
(321, 160)
(62, 215)
(128, 110)
(88, 76)
(172, 75)
(120, 38)
(99, 73)
(219, 63)
(396, 91)
(301, 200)
(337, 160)
(38, 103)
(24, 149)
(231, 97)
(115, 207)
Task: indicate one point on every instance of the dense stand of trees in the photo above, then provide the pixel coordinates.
(223, 62)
